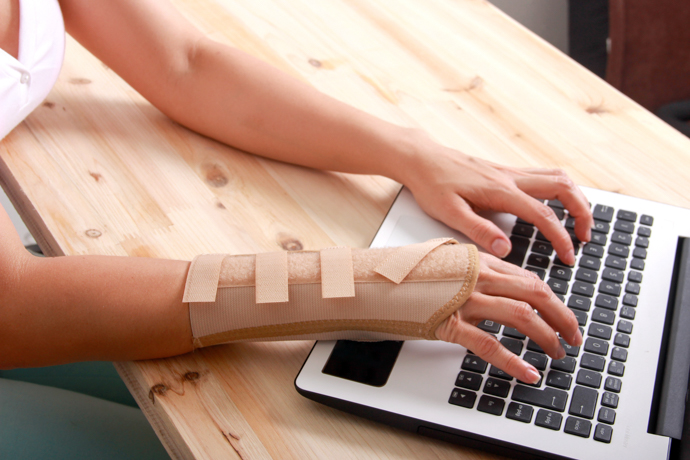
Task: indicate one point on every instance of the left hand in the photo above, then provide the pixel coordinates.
(451, 187)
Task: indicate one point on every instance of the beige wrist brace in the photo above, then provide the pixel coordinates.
(336, 293)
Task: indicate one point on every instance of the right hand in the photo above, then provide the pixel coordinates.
(511, 296)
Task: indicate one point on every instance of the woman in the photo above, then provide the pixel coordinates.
(225, 94)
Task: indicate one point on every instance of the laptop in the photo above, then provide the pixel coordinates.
(622, 394)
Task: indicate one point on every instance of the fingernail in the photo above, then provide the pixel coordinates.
(500, 248)
(561, 352)
(533, 374)
(589, 234)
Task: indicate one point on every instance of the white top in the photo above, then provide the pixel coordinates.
(25, 83)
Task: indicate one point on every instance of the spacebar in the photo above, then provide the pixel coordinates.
(547, 398)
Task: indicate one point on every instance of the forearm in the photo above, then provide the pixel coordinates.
(244, 102)
(78, 308)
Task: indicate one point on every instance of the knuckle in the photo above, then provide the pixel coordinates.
(563, 181)
(542, 290)
(481, 231)
(523, 312)
(545, 212)
(487, 346)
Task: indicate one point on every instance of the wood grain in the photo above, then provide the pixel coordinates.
(98, 170)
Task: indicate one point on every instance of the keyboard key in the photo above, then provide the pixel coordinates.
(469, 380)
(566, 364)
(514, 346)
(520, 412)
(621, 340)
(569, 223)
(640, 253)
(542, 247)
(583, 402)
(534, 346)
(613, 274)
(621, 226)
(646, 220)
(601, 315)
(548, 419)
(501, 374)
(609, 287)
(559, 380)
(588, 378)
(592, 362)
(616, 368)
(463, 398)
(637, 264)
(644, 231)
(613, 384)
(561, 273)
(474, 363)
(603, 433)
(593, 250)
(642, 242)
(627, 312)
(621, 238)
(537, 360)
(619, 250)
(548, 398)
(558, 261)
(601, 212)
(616, 262)
(601, 226)
(586, 275)
(584, 289)
(619, 354)
(514, 333)
(630, 299)
(556, 204)
(598, 238)
(578, 427)
(593, 263)
(558, 286)
(523, 222)
(632, 288)
(635, 277)
(497, 387)
(579, 303)
(596, 346)
(609, 399)
(489, 326)
(580, 316)
(491, 405)
(523, 230)
(569, 349)
(518, 251)
(606, 301)
(627, 215)
(538, 260)
(624, 326)
(599, 331)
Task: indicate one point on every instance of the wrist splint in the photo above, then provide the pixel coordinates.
(336, 293)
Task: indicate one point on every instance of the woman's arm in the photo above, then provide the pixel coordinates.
(230, 96)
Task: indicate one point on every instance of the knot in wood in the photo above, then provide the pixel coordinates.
(215, 176)
(290, 243)
(92, 233)
(191, 376)
(158, 389)
(315, 62)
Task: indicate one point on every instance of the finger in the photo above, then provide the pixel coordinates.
(482, 231)
(538, 295)
(487, 347)
(544, 218)
(513, 313)
(558, 185)
(505, 268)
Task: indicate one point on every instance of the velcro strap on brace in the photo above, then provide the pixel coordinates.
(336, 293)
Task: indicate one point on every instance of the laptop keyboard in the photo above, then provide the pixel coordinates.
(580, 393)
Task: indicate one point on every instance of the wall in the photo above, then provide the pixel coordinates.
(546, 18)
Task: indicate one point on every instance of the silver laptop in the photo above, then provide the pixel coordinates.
(620, 395)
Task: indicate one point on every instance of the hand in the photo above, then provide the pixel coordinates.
(451, 187)
(510, 295)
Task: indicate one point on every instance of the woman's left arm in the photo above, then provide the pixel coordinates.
(237, 99)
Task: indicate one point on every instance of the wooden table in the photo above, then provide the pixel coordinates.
(97, 170)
